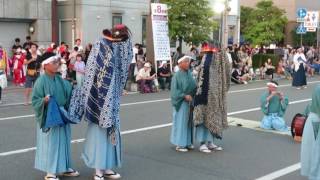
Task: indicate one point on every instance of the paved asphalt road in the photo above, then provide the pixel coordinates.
(148, 155)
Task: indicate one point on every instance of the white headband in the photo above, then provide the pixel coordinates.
(272, 84)
(49, 60)
(184, 58)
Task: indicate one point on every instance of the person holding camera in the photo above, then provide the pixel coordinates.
(273, 106)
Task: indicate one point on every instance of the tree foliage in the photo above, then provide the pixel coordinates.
(263, 24)
(190, 20)
(308, 39)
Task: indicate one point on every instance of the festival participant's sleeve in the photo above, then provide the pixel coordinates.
(284, 104)
(38, 104)
(264, 104)
(177, 95)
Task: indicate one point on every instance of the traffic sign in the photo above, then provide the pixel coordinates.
(301, 29)
(301, 12)
(311, 19)
(311, 29)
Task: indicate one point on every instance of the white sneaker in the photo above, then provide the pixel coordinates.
(97, 177)
(181, 149)
(214, 147)
(190, 147)
(203, 148)
(48, 177)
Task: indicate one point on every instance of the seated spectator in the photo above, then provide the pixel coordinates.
(164, 75)
(269, 68)
(144, 79)
(262, 71)
(281, 70)
(238, 76)
(314, 67)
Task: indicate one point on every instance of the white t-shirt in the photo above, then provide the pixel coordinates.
(142, 74)
(135, 51)
(80, 48)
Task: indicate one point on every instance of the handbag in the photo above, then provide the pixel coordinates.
(32, 72)
(2, 64)
(53, 116)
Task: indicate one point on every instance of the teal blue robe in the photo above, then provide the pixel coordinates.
(182, 84)
(310, 145)
(53, 147)
(273, 112)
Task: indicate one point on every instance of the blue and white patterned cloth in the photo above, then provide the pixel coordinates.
(105, 78)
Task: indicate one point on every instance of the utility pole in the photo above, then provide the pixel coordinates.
(54, 21)
(225, 25)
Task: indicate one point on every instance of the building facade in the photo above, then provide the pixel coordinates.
(21, 18)
(85, 19)
(290, 6)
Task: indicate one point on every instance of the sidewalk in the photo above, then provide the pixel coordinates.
(12, 95)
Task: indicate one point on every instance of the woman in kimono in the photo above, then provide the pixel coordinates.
(310, 145)
(183, 88)
(299, 76)
(273, 105)
(18, 73)
(53, 146)
(105, 78)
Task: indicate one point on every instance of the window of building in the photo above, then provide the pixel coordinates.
(116, 19)
(144, 31)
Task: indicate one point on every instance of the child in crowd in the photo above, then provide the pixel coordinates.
(79, 68)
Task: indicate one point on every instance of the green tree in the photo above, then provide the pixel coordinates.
(245, 14)
(308, 39)
(190, 21)
(265, 24)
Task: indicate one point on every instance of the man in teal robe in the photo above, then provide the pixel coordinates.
(183, 88)
(310, 145)
(273, 106)
(53, 146)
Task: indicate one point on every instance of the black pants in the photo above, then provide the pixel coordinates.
(0, 92)
(163, 81)
(270, 72)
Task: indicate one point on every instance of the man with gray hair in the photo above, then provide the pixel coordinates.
(183, 88)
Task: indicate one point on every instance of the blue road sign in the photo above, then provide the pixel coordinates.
(301, 12)
(301, 29)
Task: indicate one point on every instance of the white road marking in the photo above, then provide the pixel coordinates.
(233, 122)
(16, 117)
(245, 123)
(20, 151)
(281, 172)
(145, 128)
(262, 88)
(163, 100)
(144, 102)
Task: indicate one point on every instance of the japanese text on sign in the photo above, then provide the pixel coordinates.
(160, 32)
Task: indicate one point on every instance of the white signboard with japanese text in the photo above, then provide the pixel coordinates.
(160, 30)
(311, 19)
